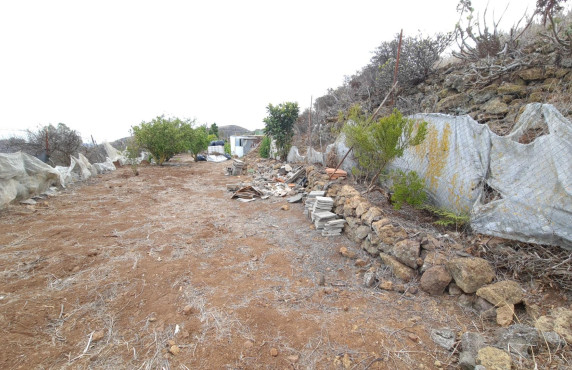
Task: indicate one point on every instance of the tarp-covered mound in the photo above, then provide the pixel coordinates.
(23, 176)
(512, 187)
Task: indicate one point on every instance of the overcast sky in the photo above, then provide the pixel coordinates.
(103, 66)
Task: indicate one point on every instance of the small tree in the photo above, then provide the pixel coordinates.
(62, 142)
(199, 140)
(377, 143)
(264, 149)
(213, 130)
(164, 137)
(280, 125)
(132, 151)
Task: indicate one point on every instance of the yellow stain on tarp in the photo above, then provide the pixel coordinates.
(436, 149)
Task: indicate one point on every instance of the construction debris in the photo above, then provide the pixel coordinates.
(333, 227)
(310, 201)
(237, 167)
(320, 219)
(336, 174)
(296, 198)
(322, 204)
(247, 192)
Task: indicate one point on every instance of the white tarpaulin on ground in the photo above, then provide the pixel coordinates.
(114, 154)
(511, 189)
(23, 176)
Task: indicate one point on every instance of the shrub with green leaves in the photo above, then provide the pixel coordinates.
(280, 125)
(407, 188)
(448, 218)
(264, 149)
(376, 143)
(199, 140)
(165, 137)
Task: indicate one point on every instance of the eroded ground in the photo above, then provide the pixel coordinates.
(113, 272)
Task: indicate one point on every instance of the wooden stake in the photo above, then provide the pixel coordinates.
(310, 125)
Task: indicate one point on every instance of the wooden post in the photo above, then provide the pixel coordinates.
(396, 66)
(310, 125)
(370, 119)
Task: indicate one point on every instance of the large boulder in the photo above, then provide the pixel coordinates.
(433, 258)
(502, 293)
(373, 214)
(407, 252)
(519, 339)
(399, 270)
(559, 321)
(471, 273)
(532, 74)
(435, 280)
(494, 359)
(505, 314)
(348, 192)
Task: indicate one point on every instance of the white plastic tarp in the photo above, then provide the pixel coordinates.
(520, 191)
(114, 154)
(105, 166)
(216, 158)
(23, 176)
(340, 149)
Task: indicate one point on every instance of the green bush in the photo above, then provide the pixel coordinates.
(407, 188)
(227, 147)
(132, 150)
(376, 143)
(448, 218)
(165, 137)
(280, 125)
(199, 140)
(264, 149)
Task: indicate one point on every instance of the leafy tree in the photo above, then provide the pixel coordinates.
(264, 149)
(377, 143)
(62, 143)
(164, 137)
(213, 130)
(280, 125)
(199, 140)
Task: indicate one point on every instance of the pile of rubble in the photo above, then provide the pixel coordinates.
(269, 179)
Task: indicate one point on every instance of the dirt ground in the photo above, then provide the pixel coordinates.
(163, 270)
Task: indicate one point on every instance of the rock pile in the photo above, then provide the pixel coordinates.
(444, 266)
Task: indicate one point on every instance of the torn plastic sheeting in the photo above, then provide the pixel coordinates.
(216, 158)
(534, 181)
(340, 149)
(115, 155)
(105, 166)
(23, 176)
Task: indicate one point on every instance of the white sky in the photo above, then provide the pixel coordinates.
(102, 66)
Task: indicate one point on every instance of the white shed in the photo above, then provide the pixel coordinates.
(241, 145)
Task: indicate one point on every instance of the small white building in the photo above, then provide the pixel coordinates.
(241, 145)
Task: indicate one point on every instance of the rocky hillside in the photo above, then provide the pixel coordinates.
(492, 90)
